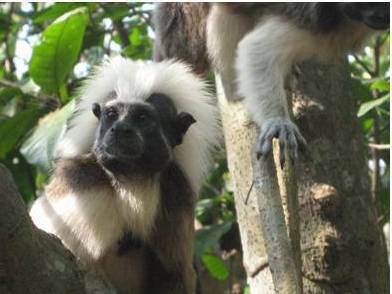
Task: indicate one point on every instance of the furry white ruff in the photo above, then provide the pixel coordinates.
(136, 81)
(90, 223)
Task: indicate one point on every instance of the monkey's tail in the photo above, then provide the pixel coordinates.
(180, 30)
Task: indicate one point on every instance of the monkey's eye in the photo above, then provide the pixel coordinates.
(111, 113)
(141, 117)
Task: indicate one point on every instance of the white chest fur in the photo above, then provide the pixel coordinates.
(91, 223)
(138, 204)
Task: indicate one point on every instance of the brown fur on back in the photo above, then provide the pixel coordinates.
(181, 33)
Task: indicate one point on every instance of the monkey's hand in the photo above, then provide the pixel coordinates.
(288, 134)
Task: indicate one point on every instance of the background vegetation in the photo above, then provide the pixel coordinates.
(47, 50)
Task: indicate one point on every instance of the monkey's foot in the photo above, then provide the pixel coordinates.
(289, 137)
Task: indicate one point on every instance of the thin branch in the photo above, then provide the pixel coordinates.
(51, 102)
(375, 179)
(364, 66)
(143, 14)
(383, 38)
(107, 49)
(9, 61)
(260, 265)
(247, 195)
(379, 146)
(6, 83)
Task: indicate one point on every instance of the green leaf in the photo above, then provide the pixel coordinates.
(382, 85)
(54, 57)
(367, 124)
(39, 147)
(367, 106)
(7, 94)
(54, 11)
(361, 92)
(117, 11)
(204, 206)
(215, 266)
(247, 290)
(209, 236)
(23, 174)
(93, 37)
(134, 38)
(14, 128)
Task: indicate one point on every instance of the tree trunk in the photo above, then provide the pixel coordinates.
(32, 261)
(342, 248)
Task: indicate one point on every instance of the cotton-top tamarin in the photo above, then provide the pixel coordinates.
(127, 172)
(254, 46)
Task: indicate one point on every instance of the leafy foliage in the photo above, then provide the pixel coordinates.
(215, 266)
(371, 73)
(53, 59)
(13, 129)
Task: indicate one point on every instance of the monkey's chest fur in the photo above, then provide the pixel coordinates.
(131, 229)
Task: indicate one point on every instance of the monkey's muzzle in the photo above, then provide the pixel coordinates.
(123, 142)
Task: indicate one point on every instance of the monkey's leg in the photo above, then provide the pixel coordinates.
(172, 270)
(224, 30)
(264, 57)
(175, 273)
(172, 239)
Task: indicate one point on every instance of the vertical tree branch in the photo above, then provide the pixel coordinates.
(289, 193)
(280, 252)
(10, 66)
(375, 154)
(261, 219)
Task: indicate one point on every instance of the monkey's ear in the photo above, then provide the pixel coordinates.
(97, 110)
(184, 121)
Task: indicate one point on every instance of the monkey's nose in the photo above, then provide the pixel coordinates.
(122, 129)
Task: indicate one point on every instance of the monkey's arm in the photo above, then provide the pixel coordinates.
(265, 57)
(257, 64)
(172, 241)
(75, 200)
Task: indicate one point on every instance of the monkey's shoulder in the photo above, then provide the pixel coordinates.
(77, 174)
(176, 191)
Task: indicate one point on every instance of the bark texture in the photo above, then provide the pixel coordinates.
(32, 261)
(251, 182)
(342, 247)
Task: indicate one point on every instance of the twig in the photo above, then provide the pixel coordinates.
(375, 179)
(247, 195)
(141, 14)
(261, 264)
(107, 49)
(51, 102)
(379, 146)
(9, 60)
(6, 83)
(364, 66)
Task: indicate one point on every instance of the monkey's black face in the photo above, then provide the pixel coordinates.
(374, 14)
(138, 138)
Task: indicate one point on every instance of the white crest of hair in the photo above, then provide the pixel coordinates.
(136, 81)
(91, 224)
